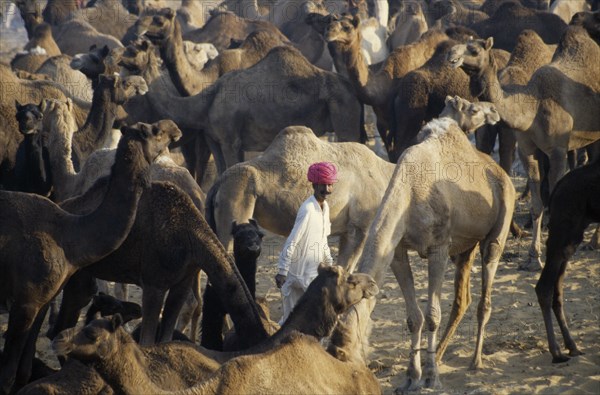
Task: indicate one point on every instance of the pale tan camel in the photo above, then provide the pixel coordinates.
(43, 246)
(271, 188)
(409, 24)
(555, 112)
(444, 199)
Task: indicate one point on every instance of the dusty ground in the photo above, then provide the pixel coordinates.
(515, 351)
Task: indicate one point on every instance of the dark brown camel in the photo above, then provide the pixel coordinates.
(163, 252)
(574, 204)
(43, 245)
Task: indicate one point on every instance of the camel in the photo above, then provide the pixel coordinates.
(109, 305)
(336, 290)
(247, 241)
(409, 24)
(38, 49)
(42, 37)
(108, 17)
(223, 26)
(552, 120)
(41, 254)
(566, 9)
(247, 190)
(165, 31)
(574, 204)
(423, 211)
(511, 18)
(59, 125)
(155, 232)
(13, 88)
(374, 87)
(530, 53)
(31, 169)
(59, 70)
(450, 13)
(282, 89)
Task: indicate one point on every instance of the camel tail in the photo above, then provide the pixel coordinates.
(210, 205)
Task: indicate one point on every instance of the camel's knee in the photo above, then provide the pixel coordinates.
(433, 318)
(415, 322)
(485, 308)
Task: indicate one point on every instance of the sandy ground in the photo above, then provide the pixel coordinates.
(515, 349)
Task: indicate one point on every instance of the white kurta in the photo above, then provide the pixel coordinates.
(304, 249)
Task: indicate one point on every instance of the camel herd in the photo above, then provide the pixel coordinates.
(124, 131)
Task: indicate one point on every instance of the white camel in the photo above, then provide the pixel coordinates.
(445, 198)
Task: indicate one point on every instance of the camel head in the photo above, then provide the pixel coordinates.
(590, 21)
(155, 137)
(109, 305)
(98, 340)
(162, 26)
(121, 89)
(31, 12)
(441, 8)
(29, 117)
(136, 57)
(473, 56)
(91, 63)
(341, 289)
(470, 116)
(247, 239)
(343, 29)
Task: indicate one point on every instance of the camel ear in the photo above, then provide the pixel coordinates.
(489, 43)
(43, 105)
(105, 51)
(234, 226)
(356, 20)
(448, 99)
(144, 45)
(169, 13)
(146, 130)
(70, 104)
(92, 47)
(116, 321)
(18, 105)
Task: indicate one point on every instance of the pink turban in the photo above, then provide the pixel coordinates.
(322, 173)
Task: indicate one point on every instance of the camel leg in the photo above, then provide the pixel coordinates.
(508, 145)
(351, 244)
(414, 317)
(437, 260)
(558, 166)
(217, 152)
(20, 323)
(196, 313)
(594, 243)
(232, 153)
(152, 302)
(462, 297)
(175, 300)
(121, 291)
(537, 208)
(25, 365)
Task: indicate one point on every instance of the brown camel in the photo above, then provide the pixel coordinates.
(244, 110)
(511, 18)
(449, 13)
(162, 267)
(165, 32)
(42, 37)
(555, 112)
(111, 348)
(224, 26)
(574, 204)
(269, 188)
(425, 211)
(38, 254)
(13, 88)
(374, 84)
(59, 70)
(38, 49)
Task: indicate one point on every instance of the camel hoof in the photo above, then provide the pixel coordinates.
(560, 359)
(575, 353)
(476, 365)
(433, 382)
(408, 386)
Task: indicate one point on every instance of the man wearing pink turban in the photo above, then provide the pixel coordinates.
(306, 246)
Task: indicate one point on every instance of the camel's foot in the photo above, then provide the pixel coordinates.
(533, 264)
(431, 376)
(560, 358)
(410, 384)
(476, 364)
(575, 352)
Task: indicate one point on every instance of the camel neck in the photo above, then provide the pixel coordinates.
(187, 80)
(360, 75)
(98, 123)
(110, 223)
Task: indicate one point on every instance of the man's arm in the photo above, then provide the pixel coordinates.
(287, 253)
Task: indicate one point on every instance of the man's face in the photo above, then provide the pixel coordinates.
(322, 190)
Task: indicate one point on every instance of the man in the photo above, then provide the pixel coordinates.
(306, 246)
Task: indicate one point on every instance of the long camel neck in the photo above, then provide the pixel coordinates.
(388, 227)
(187, 80)
(227, 281)
(59, 152)
(93, 236)
(98, 124)
(517, 108)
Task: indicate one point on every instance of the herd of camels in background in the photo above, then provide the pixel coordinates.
(123, 131)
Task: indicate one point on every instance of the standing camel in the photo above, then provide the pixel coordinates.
(556, 111)
(445, 198)
(574, 204)
(41, 246)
